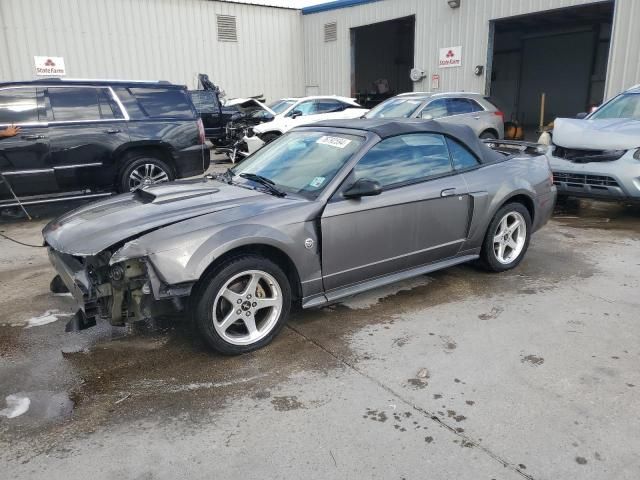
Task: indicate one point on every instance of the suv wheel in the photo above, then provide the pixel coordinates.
(242, 305)
(141, 169)
(507, 238)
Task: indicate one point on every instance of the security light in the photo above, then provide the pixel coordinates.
(454, 3)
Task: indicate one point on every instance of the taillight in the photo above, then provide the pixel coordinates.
(201, 131)
(500, 114)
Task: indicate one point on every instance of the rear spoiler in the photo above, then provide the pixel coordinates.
(513, 146)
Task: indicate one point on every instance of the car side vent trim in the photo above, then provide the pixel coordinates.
(330, 32)
(227, 31)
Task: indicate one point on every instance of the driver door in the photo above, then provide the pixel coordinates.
(421, 216)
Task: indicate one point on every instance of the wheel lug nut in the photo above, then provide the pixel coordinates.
(239, 301)
(248, 296)
(254, 304)
(239, 312)
(248, 313)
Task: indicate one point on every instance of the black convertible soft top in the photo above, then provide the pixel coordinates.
(391, 127)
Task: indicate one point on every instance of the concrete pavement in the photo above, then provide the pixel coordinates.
(458, 374)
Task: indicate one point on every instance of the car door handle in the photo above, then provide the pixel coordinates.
(477, 117)
(113, 130)
(32, 137)
(448, 192)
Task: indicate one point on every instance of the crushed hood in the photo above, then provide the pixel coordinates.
(606, 134)
(91, 229)
(248, 103)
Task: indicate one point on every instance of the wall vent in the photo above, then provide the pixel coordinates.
(227, 31)
(330, 32)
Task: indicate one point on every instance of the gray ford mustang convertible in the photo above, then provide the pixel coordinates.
(324, 212)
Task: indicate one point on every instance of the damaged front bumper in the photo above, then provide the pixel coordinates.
(123, 292)
(617, 179)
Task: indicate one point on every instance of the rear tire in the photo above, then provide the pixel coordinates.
(269, 137)
(242, 304)
(488, 135)
(507, 238)
(141, 169)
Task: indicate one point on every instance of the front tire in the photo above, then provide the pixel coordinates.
(242, 304)
(507, 238)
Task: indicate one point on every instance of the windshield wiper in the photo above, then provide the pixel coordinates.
(269, 184)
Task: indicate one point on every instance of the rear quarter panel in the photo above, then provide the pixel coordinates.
(493, 185)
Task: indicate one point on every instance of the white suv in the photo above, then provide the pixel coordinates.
(292, 112)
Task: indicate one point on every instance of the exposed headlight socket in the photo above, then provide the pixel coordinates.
(116, 273)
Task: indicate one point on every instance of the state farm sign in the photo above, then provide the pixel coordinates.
(450, 57)
(52, 66)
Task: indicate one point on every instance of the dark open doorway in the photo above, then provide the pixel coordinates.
(562, 53)
(382, 59)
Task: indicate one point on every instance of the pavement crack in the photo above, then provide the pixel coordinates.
(425, 413)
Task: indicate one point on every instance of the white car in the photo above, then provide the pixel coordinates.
(292, 112)
(599, 156)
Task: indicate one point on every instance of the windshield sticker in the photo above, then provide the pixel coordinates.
(318, 181)
(337, 142)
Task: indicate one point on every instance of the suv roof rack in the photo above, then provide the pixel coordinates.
(111, 80)
(457, 93)
(91, 82)
(408, 94)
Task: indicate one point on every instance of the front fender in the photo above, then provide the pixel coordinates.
(189, 262)
(234, 237)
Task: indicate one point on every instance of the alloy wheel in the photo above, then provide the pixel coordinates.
(146, 174)
(510, 238)
(247, 307)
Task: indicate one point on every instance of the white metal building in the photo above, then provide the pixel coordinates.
(246, 49)
(576, 51)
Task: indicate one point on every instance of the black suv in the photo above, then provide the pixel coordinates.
(90, 138)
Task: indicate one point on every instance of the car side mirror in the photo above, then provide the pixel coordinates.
(296, 114)
(582, 115)
(363, 188)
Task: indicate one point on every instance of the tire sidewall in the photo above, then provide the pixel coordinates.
(488, 257)
(135, 161)
(202, 311)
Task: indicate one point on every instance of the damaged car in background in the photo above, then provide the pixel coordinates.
(221, 117)
(599, 156)
(288, 225)
(289, 113)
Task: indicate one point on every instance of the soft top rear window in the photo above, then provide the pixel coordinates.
(163, 102)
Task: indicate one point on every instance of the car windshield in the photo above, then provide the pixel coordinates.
(624, 106)
(394, 108)
(280, 106)
(301, 162)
